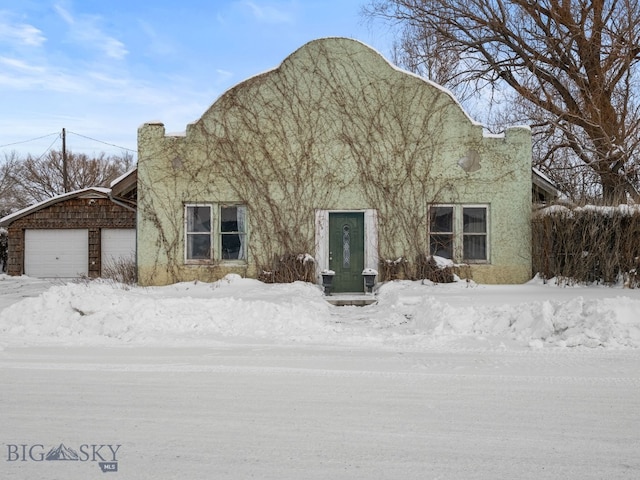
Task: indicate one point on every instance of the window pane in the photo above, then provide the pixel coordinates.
(231, 246)
(229, 219)
(232, 232)
(346, 247)
(199, 246)
(442, 245)
(441, 219)
(475, 247)
(474, 220)
(198, 219)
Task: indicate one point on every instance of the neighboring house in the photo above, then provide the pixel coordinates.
(336, 154)
(75, 234)
(544, 190)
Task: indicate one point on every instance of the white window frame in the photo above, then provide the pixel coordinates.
(242, 233)
(215, 235)
(453, 231)
(187, 234)
(458, 231)
(484, 234)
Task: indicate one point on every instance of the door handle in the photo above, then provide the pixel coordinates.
(330, 256)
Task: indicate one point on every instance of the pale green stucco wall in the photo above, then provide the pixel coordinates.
(335, 127)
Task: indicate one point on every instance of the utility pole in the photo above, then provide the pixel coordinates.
(65, 179)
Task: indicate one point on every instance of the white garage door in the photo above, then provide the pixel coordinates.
(51, 253)
(118, 244)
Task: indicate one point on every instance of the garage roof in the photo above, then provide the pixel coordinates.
(91, 192)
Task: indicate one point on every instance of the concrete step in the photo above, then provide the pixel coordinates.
(350, 299)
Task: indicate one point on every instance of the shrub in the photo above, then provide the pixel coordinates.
(121, 270)
(587, 244)
(289, 268)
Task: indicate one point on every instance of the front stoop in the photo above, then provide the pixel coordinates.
(350, 299)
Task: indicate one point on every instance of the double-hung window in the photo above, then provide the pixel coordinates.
(233, 232)
(459, 232)
(474, 234)
(215, 232)
(199, 234)
(441, 231)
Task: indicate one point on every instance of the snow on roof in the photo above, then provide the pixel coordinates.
(541, 175)
(6, 221)
(544, 182)
(152, 122)
(123, 176)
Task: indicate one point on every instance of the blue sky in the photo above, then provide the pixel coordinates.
(101, 68)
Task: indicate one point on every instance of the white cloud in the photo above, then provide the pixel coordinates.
(20, 65)
(22, 76)
(158, 44)
(224, 75)
(66, 16)
(86, 31)
(114, 48)
(269, 13)
(23, 33)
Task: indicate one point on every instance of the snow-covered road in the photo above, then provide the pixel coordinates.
(285, 412)
(238, 379)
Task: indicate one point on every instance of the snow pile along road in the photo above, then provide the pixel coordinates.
(411, 314)
(570, 320)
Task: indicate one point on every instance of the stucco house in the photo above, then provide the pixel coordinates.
(341, 156)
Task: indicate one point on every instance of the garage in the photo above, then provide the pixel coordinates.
(73, 234)
(56, 253)
(118, 244)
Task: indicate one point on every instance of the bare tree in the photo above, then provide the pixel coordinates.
(39, 178)
(573, 64)
(12, 198)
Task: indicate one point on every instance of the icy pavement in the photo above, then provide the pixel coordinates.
(14, 289)
(238, 380)
(283, 412)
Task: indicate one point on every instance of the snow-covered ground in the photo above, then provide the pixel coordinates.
(238, 379)
(408, 315)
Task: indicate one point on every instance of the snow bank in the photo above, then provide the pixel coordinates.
(103, 312)
(567, 322)
(408, 314)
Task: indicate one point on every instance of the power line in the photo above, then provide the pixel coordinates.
(31, 140)
(77, 134)
(48, 148)
(105, 143)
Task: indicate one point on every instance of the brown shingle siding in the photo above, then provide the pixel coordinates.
(89, 213)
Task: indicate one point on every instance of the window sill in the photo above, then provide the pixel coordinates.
(232, 263)
(216, 263)
(198, 262)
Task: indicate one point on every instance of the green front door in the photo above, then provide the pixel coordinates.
(346, 251)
